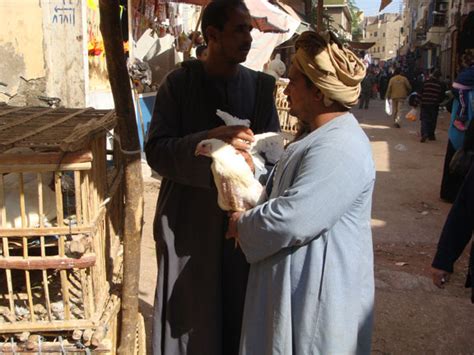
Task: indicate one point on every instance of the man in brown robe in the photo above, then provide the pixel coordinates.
(202, 278)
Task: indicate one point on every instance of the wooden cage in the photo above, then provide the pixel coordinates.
(61, 209)
(288, 123)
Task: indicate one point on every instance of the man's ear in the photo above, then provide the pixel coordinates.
(317, 94)
(212, 33)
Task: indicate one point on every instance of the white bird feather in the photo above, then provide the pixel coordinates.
(230, 120)
(237, 188)
(271, 144)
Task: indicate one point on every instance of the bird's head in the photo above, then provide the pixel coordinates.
(208, 147)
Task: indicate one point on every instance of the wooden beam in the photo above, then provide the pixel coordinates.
(45, 326)
(43, 168)
(46, 158)
(47, 262)
(37, 232)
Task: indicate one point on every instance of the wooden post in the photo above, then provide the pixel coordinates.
(308, 10)
(133, 199)
(193, 37)
(319, 22)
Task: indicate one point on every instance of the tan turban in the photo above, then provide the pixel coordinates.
(333, 69)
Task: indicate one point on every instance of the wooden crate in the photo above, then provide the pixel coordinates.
(61, 209)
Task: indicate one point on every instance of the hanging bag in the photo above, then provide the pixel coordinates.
(388, 107)
(411, 115)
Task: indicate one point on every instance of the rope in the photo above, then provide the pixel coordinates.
(126, 152)
(61, 345)
(13, 346)
(80, 345)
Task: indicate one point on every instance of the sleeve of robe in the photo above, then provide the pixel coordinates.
(328, 181)
(168, 153)
(457, 231)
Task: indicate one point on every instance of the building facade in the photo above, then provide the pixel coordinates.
(386, 31)
(432, 28)
(341, 20)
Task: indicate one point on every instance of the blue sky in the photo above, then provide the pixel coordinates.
(371, 7)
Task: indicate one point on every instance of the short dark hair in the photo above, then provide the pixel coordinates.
(397, 71)
(217, 12)
(436, 74)
(200, 49)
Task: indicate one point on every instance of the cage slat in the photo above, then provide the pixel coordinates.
(93, 206)
(6, 252)
(38, 168)
(86, 218)
(25, 119)
(34, 232)
(85, 291)
(15, 109)
(24, 224)
(61, 246)
(88, 213)
(77, 193)
(39, 178)
(43, 127)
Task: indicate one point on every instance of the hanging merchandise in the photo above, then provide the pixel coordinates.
(141, 76)
(184, 43)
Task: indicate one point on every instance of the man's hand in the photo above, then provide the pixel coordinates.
(232, 231)
(248, 159)
(440, 277)
(239, 136)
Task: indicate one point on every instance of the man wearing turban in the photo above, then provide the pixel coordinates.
(311, 282)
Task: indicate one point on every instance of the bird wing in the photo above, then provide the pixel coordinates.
(270, 144)
(230, 120)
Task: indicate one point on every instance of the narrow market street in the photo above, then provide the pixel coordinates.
(411, 315)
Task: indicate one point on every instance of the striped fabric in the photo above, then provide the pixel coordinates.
(432, 92)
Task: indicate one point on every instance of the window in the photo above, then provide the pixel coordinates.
(383, 34)
(375, 34)
(383, 49)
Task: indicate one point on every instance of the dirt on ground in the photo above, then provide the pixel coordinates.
(411, 315)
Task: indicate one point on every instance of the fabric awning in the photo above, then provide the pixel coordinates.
(361, 45)
(260, 23)
(384, 4)
(428, 45)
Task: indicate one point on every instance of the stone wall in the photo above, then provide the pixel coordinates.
(65, 50)
(21, 46)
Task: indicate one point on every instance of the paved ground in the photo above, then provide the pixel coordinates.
(412, 316)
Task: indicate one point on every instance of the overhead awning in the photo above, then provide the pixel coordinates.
(304, 26)
(262, 24)
(259, 22)
(384, 4)
(428, 45)
(361, 45)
